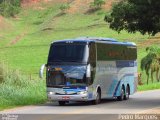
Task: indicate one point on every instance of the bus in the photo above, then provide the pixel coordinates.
(90, 69)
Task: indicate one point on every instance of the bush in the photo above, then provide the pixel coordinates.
(16, 89)
(64, 7)
(97, 4)
(9, 7)
(1, 74)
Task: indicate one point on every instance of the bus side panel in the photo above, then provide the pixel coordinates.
(118, 89)
(116, 66)
(111, 75)
(127, 80)
(106, 78)
(127, 71)
(131, 81)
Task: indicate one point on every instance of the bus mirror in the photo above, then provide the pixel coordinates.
(88, 72)
(41, 70)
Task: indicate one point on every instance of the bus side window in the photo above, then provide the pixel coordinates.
(92, 60)
(92, 55)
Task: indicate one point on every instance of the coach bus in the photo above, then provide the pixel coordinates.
(90, 69)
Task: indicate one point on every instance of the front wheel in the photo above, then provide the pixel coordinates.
(61, 103)
(98, 98)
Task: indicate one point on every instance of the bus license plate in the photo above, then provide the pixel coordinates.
(65, 97)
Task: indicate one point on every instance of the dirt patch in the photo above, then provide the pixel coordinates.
(76, 6)
(18, 38)
(151, 41)
(4, 24)
(37, 4)
(32, 3)
(26, 3)
(109, 3)
(79, 6)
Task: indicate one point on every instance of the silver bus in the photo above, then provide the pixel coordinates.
(90, 69)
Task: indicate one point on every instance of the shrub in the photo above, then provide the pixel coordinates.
(1, 73)
(9, 7)
(64, 7)
(16, 89)
(97, 4)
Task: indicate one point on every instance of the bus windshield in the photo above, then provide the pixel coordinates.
(68, 53)
(57, 79)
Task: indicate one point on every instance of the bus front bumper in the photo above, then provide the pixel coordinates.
(53, 97)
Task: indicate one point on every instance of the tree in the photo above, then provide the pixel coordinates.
(135, 15)
(151, 62)
(97, 4)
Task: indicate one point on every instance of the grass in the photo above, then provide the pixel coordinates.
(151, 86)
(31, 50)
(17, 90)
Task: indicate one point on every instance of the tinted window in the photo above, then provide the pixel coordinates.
(92, 61)
(116, 52)
(67, 53)
(92, 54)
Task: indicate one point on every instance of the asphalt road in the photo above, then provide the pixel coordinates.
(139, 103)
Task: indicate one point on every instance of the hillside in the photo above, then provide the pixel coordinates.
(25, 39)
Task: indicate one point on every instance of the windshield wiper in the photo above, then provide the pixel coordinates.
(58, 61)
(65, 61)
(74, 61)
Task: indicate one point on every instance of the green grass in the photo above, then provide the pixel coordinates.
(151, 86)
(18, 90)
(32, 49)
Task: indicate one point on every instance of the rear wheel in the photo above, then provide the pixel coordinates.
(61, 103)
(126, 97)
(98, 98)
(121, 97)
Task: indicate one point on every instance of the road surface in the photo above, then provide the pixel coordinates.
(139, 103)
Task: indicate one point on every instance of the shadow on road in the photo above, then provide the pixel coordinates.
(103, 101)
(132, 103)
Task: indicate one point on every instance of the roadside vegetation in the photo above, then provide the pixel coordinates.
(26, 37)
(97, 4)
(18, 90)
(135, 15)
(151, 86)
(64, 7)
(9, 8)
(140, 16)
(151, 63)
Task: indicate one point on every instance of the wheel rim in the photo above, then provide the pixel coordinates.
(127, 93)
(97, 98)
(122, 94)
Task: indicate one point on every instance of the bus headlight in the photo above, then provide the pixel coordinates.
(82, 92)
(51, 93)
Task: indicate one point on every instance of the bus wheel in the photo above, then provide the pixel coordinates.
(98, 98)
(121, 97)
(126, 97)
(61, 103)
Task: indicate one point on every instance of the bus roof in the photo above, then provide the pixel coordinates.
(96, 40)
